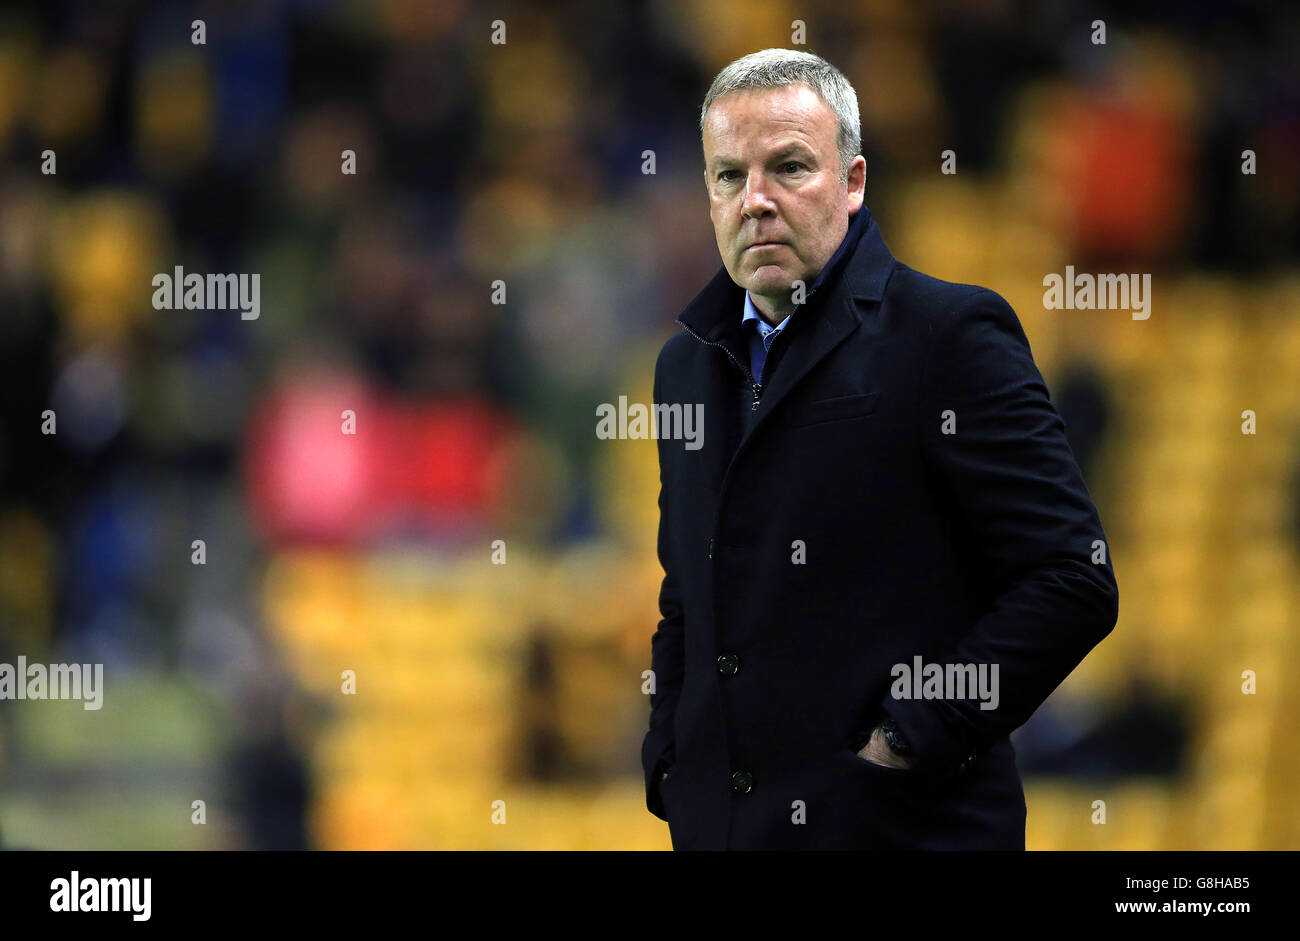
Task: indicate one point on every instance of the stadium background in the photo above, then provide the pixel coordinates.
(523, 163)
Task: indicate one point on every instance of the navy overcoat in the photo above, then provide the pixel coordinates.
(899, 486)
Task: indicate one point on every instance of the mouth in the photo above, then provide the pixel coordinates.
(765, 245)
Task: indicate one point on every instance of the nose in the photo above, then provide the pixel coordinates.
(757, 203)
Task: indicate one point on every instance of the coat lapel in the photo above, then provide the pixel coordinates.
(831, 318)
(808, 345)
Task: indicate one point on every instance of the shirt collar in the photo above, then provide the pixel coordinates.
(764, 328)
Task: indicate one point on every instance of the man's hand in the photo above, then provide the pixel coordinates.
(878, 752)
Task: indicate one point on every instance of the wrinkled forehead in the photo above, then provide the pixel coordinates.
(756, 115)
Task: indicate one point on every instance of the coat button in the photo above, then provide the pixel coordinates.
(728, 664)
(742, 782)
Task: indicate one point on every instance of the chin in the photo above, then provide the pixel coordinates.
(770, 279)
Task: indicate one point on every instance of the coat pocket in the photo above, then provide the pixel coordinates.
(839, 408)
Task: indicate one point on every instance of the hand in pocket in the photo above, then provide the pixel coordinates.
(878, 752)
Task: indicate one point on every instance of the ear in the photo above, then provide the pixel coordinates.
(857, 184)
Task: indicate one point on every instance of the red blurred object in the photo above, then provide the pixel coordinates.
(1129, 179)
(431, 465)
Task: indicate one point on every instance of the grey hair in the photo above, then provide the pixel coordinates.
(774, 68)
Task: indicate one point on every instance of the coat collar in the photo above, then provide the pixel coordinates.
(865, 261)
(859, 270)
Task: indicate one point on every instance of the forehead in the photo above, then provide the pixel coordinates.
(756, 114)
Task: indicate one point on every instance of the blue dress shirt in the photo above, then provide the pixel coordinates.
(760, 339)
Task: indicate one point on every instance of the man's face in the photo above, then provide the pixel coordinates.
(772, 172)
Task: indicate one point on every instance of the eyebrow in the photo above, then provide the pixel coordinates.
(786, 150)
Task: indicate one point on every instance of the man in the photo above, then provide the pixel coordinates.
(884, 489)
